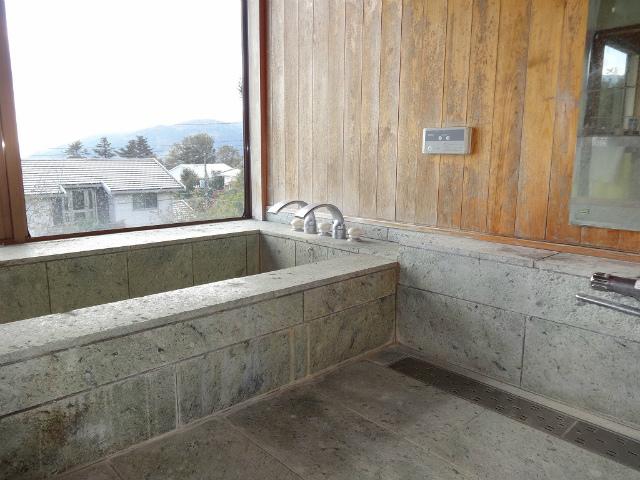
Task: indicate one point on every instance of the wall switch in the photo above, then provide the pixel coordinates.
(446, 141)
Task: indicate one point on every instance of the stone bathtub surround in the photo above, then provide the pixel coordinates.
(77, 386)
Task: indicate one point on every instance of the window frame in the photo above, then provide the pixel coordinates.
(13, 215)
(144, 197)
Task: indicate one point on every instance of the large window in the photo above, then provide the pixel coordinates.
(129, 113)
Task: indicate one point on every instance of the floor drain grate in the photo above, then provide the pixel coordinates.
(598, 440)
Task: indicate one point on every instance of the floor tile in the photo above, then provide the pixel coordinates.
(494, 446)
(101, 471)
(320, 439)
(212, 451)
(397, 402)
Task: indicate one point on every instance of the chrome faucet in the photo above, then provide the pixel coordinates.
(309, 222)
(338, 229)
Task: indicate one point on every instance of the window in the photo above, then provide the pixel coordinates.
(125, 106)
(145, 201)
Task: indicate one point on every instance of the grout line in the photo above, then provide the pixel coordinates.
(46, 273)
(113, 469)
(268, 451)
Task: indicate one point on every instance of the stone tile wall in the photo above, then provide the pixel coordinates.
(76, 405)
(55, 286)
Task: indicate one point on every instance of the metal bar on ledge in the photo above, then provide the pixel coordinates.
(620, 307)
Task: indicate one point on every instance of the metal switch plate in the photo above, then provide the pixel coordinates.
(446, 141)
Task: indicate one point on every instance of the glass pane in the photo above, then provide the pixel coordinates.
(606, 183)
(122, 98)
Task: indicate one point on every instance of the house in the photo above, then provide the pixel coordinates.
(212, 170)
(65, 195)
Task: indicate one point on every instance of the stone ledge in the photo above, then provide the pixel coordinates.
(33, 337)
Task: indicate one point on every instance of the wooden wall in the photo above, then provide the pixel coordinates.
(353, 82)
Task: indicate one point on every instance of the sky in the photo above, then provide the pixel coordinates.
(93, 67)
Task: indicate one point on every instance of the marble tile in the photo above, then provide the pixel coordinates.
(276, 253)
(319, 439)
(215, 260)
(101, 471)
(253, 254)
(160, 269)
(585, 266)
(42, 335)
(529, 291)
(86, 281)
(24, 292)
(388, 355)
(46, 378)
(493, 446)
(225, 377)
(214, 450)
(310, 253)
(339, 296)
(399, 403)
(86, 427)
(578, 367)
(349, 333)
(469, 247)
(300, 348)
(484, 339)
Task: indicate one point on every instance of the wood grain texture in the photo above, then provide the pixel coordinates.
(543, 57)
(305, 99)
(276, 83)
(409, 128)
(480, 101)
(389, 99)
(389, 68)
(320, 99)
(429, 104)
(335, 80)
(456, 83)
(566, 123)
(352, 106)
(511, 74)
(370, 116)
(291, 98)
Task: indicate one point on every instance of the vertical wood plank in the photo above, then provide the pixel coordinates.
(513, 41)
(539, 115)
(352, 105)
(371, 33)
(409, 128)
(291, 98)
(305, 99)
(276, 82)
(480, 101)
(563, 154)
(335, 102)
(391, 31)
(599, 237)
(429, 106)
(456, 82)
(629, 241)
(320, 98)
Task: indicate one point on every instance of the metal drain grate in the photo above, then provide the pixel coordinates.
(598, 440)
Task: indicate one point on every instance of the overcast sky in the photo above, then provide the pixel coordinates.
(93, 67)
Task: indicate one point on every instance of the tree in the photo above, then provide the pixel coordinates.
(143, 149)
(189, 179)
(229, 155)
(104, 149)
(198, 148)
(137, 148)
(76, 150)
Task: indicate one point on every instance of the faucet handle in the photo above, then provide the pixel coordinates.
(354, 234)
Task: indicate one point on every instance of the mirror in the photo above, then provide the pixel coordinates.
(606, 183)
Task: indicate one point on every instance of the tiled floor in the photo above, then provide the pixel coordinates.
(364, 421)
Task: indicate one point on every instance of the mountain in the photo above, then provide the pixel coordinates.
(162, 137)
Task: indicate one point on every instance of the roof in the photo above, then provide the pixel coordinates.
(213, 169)
(116, 175)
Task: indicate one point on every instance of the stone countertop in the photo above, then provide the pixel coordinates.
(33, 337)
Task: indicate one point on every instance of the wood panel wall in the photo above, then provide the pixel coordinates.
(353, 82)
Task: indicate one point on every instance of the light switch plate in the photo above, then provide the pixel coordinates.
(446, 141)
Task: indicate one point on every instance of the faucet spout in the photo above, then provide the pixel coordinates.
(309, 222)
(338, 230)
